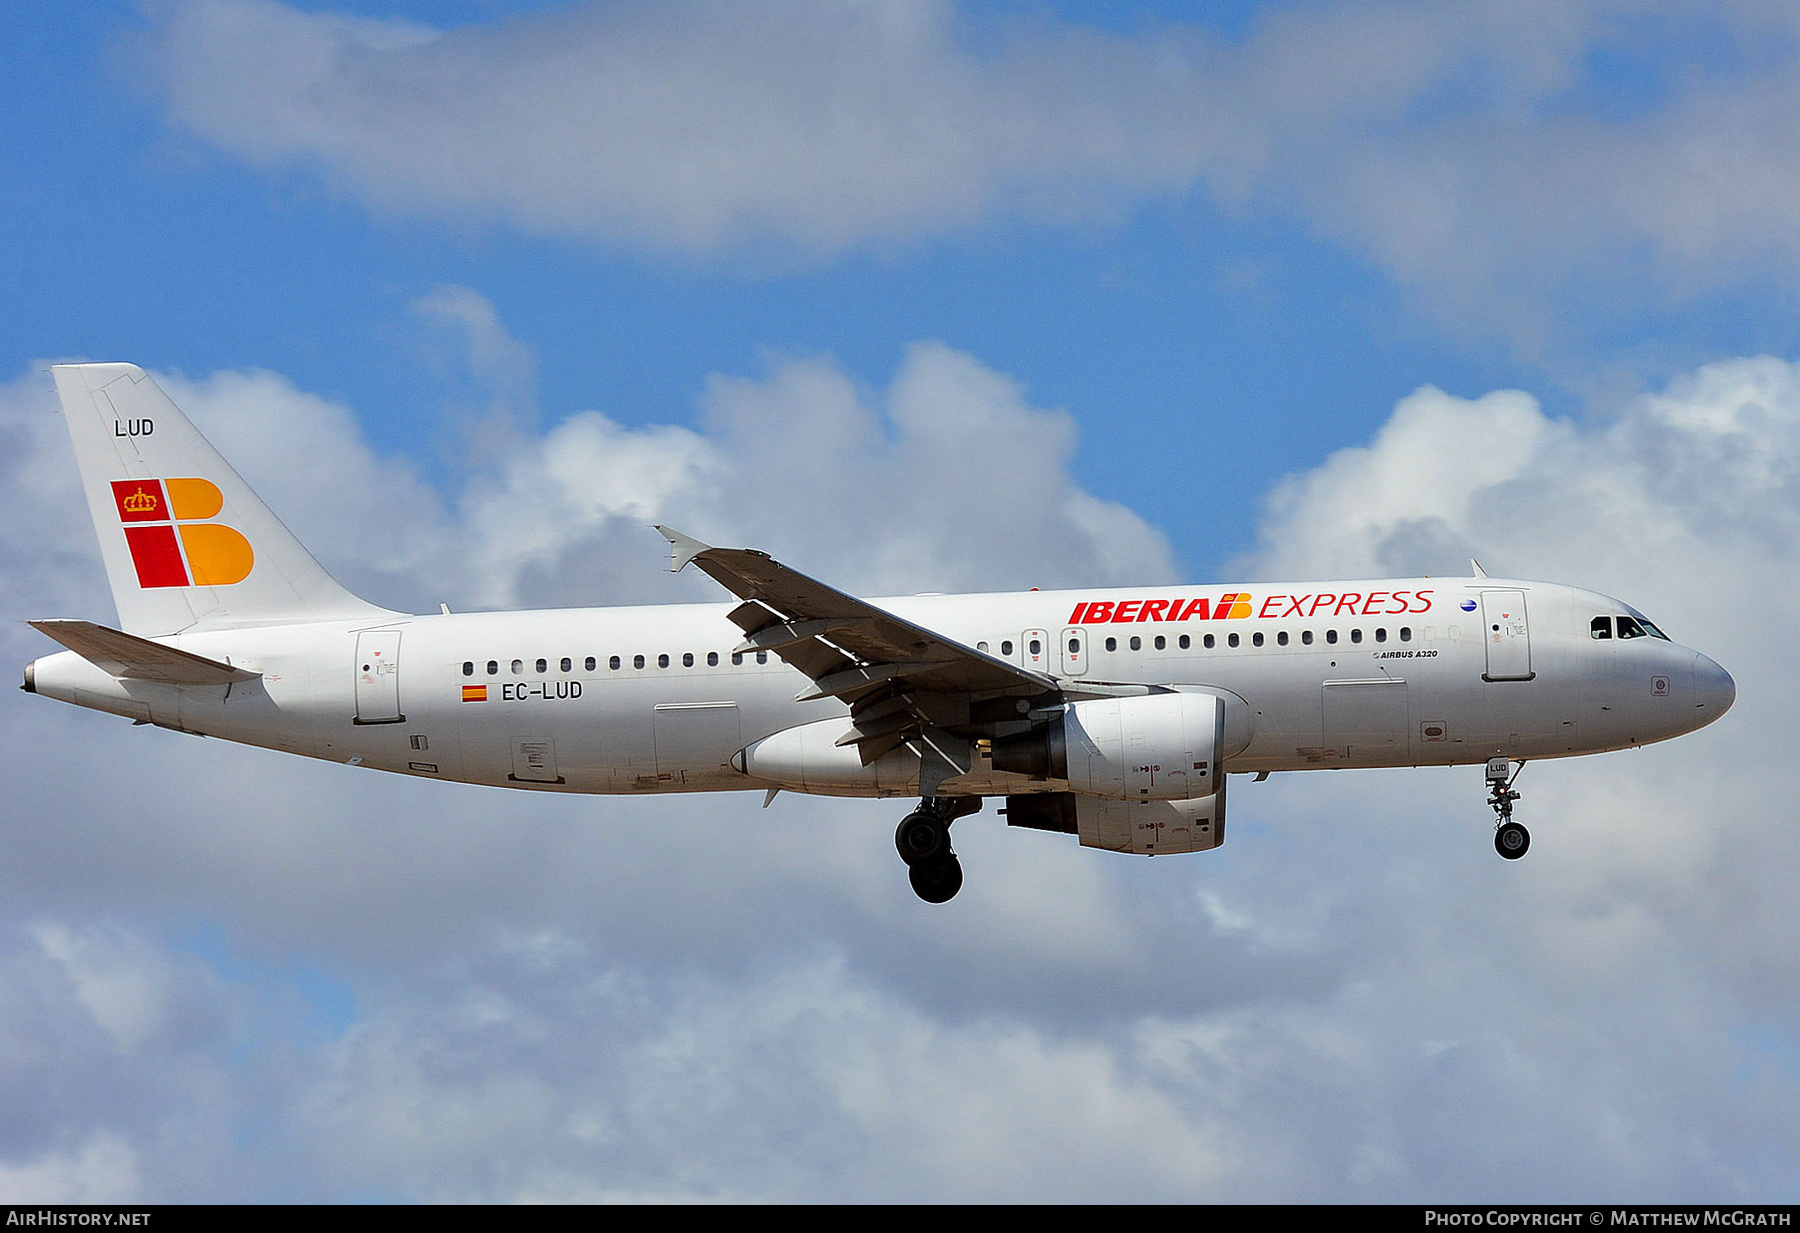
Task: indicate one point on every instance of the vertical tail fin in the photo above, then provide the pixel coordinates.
(186, 543)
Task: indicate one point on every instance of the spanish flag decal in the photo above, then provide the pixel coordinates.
(474, 693)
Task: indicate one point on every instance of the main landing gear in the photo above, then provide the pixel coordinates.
(1511, 839)
(923, 839)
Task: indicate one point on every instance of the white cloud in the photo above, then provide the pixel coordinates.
(1494, 157)
(103, 1169)
(424, 991)
(818, 124)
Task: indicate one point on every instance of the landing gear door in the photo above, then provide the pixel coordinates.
(1074, 652)
(378, 677)
(1507, 634)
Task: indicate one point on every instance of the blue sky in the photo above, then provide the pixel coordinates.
(1204, 348)
(921, 297)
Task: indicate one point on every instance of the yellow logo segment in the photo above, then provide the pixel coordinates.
(217, 555)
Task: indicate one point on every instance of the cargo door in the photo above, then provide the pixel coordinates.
(700, 737)
(1365, 719)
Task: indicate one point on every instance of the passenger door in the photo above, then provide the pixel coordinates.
(1507, 635)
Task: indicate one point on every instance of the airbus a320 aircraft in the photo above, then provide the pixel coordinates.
(1112, 714)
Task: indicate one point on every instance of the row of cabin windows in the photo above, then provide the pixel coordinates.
(1034, 647)
(1210, 641)
(1282, 638)
(613, 663)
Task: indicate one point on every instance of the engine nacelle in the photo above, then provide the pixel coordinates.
(809, 759)
(1147, 828)
(1150, 747)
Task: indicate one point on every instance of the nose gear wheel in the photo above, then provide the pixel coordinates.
(1511, 839)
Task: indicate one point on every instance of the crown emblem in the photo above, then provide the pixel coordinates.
(139, 502)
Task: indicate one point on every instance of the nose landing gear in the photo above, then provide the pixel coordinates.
(1511, 839)
(923, 840)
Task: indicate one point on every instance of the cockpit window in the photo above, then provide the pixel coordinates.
(1629, 628)
(1601, 628)
(1652, 630)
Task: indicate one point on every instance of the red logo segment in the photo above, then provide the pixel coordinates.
(157, 556)
(140, 500)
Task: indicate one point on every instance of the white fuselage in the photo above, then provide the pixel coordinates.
(1423, 671)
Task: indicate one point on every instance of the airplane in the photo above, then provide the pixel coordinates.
(1114, 714)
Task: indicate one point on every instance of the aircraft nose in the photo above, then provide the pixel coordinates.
(1714, 690)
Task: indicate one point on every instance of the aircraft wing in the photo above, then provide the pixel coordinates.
(904, 683)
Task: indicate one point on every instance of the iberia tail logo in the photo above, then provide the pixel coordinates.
(173, 542)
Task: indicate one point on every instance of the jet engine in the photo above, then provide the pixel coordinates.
(1151, 747)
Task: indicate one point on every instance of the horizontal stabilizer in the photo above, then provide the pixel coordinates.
(130, 657)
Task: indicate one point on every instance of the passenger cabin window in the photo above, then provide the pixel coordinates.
(1306, 636)
(662, 661)
(1601, 628)
(1186, 642)
(493, 667)
(543, 665)
(1232, 640)
(1331, 636)
(567, 664)
(1356, 635)
(712, 659)
(687, 659)
(1006, 647)
(590, 662)
(1112, 644)
(468, 667)
(613, 663)
(1137, 643)
(1256, 639)
(518, 667)
(1161, 642)
(637, 661)
(1210, 641)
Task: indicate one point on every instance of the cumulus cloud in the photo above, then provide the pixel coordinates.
(1494, 157)
(317, 982)
(686, 126)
